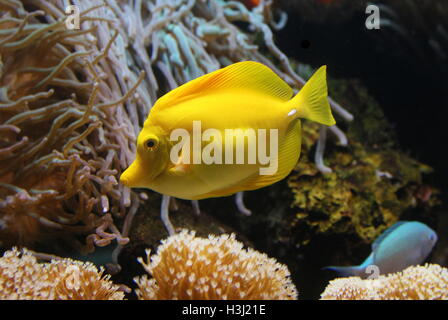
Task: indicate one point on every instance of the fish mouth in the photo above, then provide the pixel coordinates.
(130, 177)
(125, 179)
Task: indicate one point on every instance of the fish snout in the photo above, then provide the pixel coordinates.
(134, 176)
(131, 177)
(124, 179)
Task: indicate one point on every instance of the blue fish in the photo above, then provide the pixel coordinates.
(404, 244)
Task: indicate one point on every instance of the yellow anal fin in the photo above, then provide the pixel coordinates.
(288, 155)
(227, 191)
(248, 75)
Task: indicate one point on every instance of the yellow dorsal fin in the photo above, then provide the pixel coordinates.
(248, 75)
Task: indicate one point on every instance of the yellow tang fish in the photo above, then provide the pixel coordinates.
(226, 108)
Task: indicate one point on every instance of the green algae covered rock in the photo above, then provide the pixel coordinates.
(372, 184)
(366, 192)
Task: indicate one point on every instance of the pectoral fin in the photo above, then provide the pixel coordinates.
(180, 168)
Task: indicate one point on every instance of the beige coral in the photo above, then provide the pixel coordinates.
(23, 278)
(217, 267)
(429, 282)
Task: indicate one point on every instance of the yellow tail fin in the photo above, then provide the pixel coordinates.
(312, 101)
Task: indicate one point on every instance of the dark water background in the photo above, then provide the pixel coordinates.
(403, 75)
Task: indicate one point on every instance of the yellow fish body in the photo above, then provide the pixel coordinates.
(245, 95)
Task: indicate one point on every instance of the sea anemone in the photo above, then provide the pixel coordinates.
(429, 282)
(67, 125)
(23, 278)
(189, 267)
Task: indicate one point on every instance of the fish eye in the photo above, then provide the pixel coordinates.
(151, 144)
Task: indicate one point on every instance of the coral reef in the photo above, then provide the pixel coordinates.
(217, 267)
(72, 102)
(23, 278)
(429, 282)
